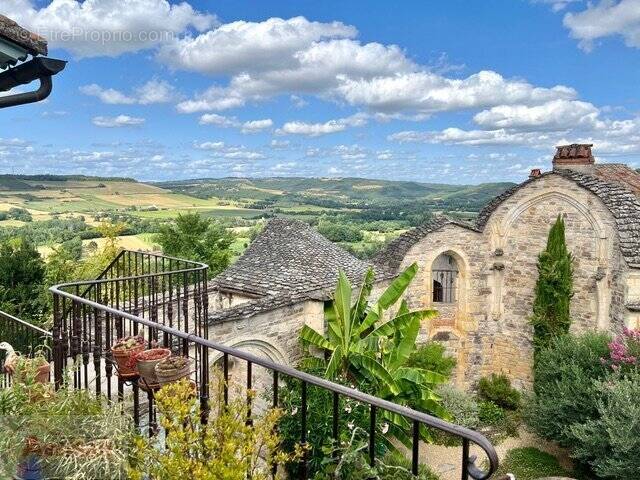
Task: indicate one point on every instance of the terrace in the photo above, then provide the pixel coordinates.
(166, 301)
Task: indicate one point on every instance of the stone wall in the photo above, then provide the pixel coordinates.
(488, 327)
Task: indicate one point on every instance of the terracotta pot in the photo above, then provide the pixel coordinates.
(146, 368)
(123, 359)
(174, 374)
(43, 373)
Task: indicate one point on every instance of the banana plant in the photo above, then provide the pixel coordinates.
(362, 346)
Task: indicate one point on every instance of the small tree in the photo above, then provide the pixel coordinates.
(196, 238)
(554, 289)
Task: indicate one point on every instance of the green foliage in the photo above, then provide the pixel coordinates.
(433, 357)
(351, 462)
(195, 238)
(319, 415)
(227, 447)
(462, 406)
(498, 389)
(554, 289)
(609, 442)
(22, 273)
(339, 232)
(490, 414)
(529, 463)
(21, 214)
(73, 434)
(363, 348)
(565, 392)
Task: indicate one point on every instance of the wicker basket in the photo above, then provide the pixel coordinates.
(166, 376)
(146, 368)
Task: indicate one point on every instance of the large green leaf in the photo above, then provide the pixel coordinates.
(362, 302)
(309, 335)
(397, 287)
(375, 369)
(420, 376)
(407, 344)
(400, 322)
(342, 306)
(335, 362)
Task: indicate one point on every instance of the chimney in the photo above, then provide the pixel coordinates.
(535, 173)
(574, 157)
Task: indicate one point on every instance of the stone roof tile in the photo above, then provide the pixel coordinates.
(289, 258)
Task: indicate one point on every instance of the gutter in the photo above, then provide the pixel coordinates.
(39, 68)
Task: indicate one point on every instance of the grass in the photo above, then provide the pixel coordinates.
(529, 463)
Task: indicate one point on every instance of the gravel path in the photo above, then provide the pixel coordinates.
(445, 461)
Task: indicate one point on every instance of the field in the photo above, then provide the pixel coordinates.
(52, 209)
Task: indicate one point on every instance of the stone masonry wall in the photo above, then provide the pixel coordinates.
(488, 327)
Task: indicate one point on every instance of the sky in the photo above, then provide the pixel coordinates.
(452, 91)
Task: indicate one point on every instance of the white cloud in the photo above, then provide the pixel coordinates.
(554, 115)
(605, 19)
(279, 144)
(250, 126)
(241, 46)
(427, 92)
(234, 152)
(318, 129)
(210, 145)
(298, 58)
(557, 5)
(254, 126)
(118, 121)
(95, 28)
(217, 120)
(154, 91)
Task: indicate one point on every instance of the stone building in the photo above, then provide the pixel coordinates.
(479, 276)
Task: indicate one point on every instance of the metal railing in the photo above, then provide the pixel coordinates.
(169, 306)
(24, 337)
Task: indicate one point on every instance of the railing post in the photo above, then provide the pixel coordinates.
(58, 348)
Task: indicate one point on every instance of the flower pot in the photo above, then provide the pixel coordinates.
(42, 375)
(146, 363)
(166, 372)
(122, 352)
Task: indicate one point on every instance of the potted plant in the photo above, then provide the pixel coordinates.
(123, 350)
(173, 369)
(27, 369)
(146, 362)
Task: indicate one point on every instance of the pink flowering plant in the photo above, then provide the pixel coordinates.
(624, 350)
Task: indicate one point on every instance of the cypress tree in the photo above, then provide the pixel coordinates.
(554, 289)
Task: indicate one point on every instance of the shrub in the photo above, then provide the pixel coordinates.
(462, 407)
(433, 357)
(490, 414)
(624, 350)
(609, 442)
(228, 446)
(564, 390)
(498, 389)
(351, 462)
(529, 463)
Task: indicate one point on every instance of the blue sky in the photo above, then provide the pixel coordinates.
(448, 92)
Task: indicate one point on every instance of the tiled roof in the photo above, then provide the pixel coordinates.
(10, 30)
(619, 173)
(289, 258)
(390, 257)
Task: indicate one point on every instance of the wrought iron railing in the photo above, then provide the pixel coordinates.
(166, 301)
(25, 338)
(444, 285)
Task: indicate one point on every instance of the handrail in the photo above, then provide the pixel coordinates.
(28, 325)
(466, 434)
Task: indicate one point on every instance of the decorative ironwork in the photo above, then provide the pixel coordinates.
(166, 300)
(444, 285)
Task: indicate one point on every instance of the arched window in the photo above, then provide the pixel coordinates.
(444, 273)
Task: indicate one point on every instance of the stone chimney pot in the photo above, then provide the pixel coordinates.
(576, 156)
